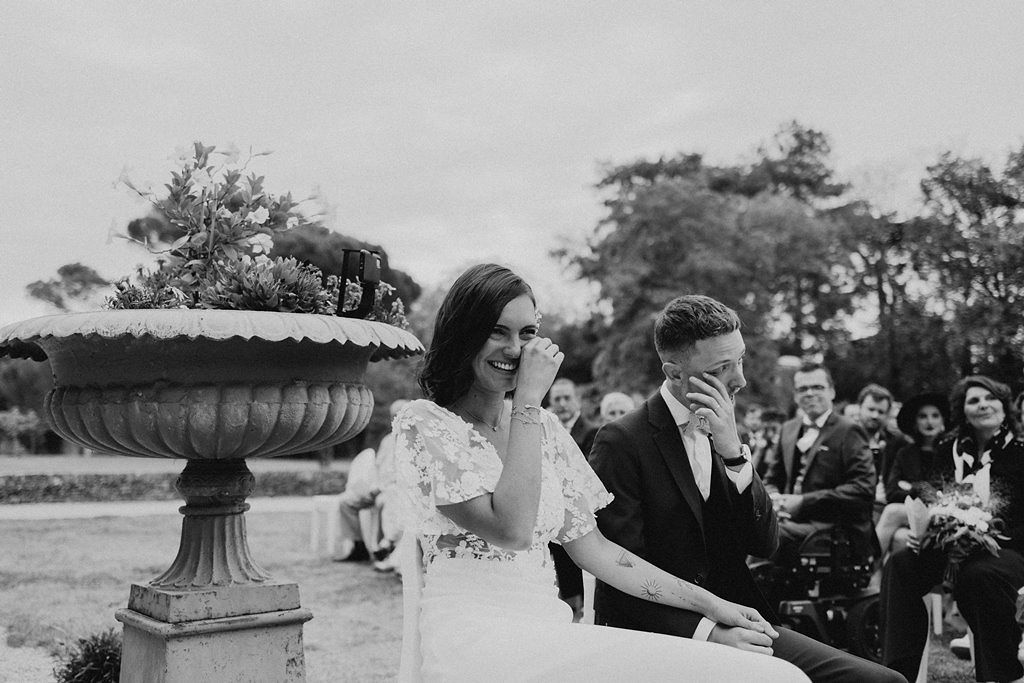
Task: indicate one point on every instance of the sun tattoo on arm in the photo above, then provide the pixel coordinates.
(650, 590)
(623, 560)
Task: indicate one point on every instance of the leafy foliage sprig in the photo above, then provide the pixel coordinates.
(221, 259)
(95, 658)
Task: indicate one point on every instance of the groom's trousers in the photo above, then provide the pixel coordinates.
(822, 663)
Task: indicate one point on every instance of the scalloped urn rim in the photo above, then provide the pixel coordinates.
(21, 339)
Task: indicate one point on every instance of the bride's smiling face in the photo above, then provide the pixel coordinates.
(497, 361)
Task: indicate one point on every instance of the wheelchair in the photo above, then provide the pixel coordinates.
(827, 594)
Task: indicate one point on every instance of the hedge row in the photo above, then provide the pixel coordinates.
(61, 488)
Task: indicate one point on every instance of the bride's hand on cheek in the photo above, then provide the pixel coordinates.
(538, 364)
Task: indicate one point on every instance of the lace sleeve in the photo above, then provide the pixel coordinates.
(436, 462)
(582, 490)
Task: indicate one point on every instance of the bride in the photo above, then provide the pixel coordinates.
(490, 478)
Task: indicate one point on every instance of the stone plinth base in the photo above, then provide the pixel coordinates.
(178, 606)
(251, 648)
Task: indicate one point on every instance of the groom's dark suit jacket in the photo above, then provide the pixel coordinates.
(659, 514)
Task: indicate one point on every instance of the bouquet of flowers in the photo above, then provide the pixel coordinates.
(959, 520)
(223, 223)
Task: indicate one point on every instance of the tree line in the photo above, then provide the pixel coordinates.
(912, 302)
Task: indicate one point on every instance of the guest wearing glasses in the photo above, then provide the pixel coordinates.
(822, 473)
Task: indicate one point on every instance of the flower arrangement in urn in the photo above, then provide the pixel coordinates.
(225, 222)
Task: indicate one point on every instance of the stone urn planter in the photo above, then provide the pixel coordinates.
(214, 388)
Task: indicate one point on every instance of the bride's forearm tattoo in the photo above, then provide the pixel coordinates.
(685, 592)
(650, 590)
(623, 560)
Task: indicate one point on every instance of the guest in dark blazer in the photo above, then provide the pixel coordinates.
(687, 500)
(986, 587)
(564, 402)
(874, 406)
(823, 472)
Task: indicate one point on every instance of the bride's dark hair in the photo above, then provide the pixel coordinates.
(464, 321)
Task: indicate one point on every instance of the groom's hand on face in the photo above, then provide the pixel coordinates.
(711, 400)
(741, 639)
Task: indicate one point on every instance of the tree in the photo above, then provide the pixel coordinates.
(76, 287)
(769, 256)
(797, 163)
(970, 248)
(23, 387)
(774, 239)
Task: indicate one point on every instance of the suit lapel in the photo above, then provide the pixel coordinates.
(789, 435)
(670, 446)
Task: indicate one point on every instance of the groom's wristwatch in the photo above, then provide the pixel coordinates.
(740, 459)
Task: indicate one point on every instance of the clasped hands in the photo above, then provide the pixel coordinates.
(741, 627)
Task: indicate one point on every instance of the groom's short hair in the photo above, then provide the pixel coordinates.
(688, 319)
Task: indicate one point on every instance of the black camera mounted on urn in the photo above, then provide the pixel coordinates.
(362, 266)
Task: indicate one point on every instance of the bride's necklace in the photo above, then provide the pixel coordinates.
(477, 418)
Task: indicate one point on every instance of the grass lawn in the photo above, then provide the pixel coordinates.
(63, 579)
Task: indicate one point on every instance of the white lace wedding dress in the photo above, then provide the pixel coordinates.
(485, 613)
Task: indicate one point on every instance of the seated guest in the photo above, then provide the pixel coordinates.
(1018, 414)
(387, 500)
(614, 405)
(564, 402)
(874, 403)
(924, 418)
(986, 587)
(751, 426)
(360, 519)
(822, 472)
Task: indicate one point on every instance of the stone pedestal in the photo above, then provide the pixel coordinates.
(214, 615)
(250, 648)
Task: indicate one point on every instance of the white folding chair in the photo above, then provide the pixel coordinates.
(410, 561)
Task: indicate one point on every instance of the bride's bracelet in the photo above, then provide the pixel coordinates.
(527, 414)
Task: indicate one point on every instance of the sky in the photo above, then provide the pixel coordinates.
(452, 132)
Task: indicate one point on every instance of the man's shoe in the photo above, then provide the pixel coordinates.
(359, 553)
(961, 647)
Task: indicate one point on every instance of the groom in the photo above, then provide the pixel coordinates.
(687, 500)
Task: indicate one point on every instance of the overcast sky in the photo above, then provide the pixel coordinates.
(457, 132)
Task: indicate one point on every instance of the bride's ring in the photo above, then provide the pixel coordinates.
(702, 423)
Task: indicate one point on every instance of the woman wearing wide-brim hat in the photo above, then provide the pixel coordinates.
(923, 418)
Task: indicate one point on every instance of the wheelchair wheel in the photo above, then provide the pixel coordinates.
(863, 629)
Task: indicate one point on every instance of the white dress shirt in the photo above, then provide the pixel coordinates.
(698, 449)
(813, 429)
(698, 452)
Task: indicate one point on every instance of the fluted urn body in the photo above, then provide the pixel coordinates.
(207, 385)
(213, 388)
